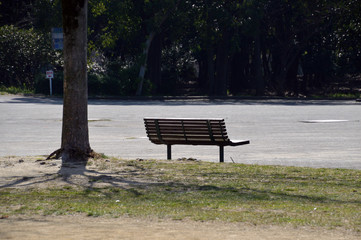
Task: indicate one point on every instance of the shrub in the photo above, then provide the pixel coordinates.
(22, 53)
(118, 80)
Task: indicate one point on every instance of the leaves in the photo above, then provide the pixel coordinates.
(191, 32)
(23, 52)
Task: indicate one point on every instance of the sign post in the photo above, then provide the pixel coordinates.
(50, 75)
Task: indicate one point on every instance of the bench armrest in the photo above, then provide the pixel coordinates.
(238, 142)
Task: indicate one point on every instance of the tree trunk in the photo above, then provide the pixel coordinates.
(148, 42)
(75, 138)
(144, 63)
(202, 76)
(236, 73)
(260, 85)
(240, 69)
(292, 81)
(286, 60)
(210, 69)
(222, 64)
(155, 64)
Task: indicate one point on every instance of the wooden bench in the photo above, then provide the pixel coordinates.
(189, 131)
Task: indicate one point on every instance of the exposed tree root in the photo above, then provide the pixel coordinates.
(58, 153)
(95, 155)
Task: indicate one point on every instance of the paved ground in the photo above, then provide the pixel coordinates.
(282, 132)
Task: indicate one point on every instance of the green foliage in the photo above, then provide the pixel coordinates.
(347, 37)
(22, 54)
(16, 12)
(118, 80)
(46, 15)
(15, 90)
(223, 41)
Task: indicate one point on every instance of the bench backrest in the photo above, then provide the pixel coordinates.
(195, 131)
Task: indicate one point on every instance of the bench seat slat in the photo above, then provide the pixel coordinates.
(188, 132)
(188, 120)
(193, 142)
(186, 128)
(203, 126)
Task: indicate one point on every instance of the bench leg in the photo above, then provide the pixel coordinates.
(169, 152)
(221, 153)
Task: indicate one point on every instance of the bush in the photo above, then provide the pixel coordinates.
(121, 80)
(117, 81)
(22, 53)
(95, 84)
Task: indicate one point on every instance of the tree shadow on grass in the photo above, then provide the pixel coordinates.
(136, 178)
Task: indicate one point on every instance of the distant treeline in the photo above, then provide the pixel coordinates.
(252, 47)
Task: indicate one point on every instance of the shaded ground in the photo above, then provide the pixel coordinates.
(33, 172)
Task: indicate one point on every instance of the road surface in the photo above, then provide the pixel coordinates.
(311, 133)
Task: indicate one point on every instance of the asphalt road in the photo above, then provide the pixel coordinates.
(309, 133)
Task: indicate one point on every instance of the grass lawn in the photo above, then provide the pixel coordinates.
(202, 191)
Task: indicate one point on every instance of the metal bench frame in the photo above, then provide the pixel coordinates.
(190, 131)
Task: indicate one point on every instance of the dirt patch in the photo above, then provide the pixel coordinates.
(35, 172)
(80, 227)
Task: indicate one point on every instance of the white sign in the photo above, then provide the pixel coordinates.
(49, 74)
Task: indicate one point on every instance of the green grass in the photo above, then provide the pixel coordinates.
(337, 96)
(203, 191)
(15, 90)
(344, 95)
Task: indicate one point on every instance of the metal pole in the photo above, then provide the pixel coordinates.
(51, 86)
(169, 152)
(221, 153)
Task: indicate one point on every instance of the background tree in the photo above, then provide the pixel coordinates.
(234, 47)
(23, 53)
(160, 12)
(17, 12)
(347, 36)
(25, 43)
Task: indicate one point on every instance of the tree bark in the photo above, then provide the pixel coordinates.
(75, 137)
(222, 64)
(148, 42)
(210, 69)
(240, 69)
(155, 64)
(143, 67)
(260, 84)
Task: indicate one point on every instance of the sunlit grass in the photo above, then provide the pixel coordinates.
(337, 96)
(15, 90)
(204, 192)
